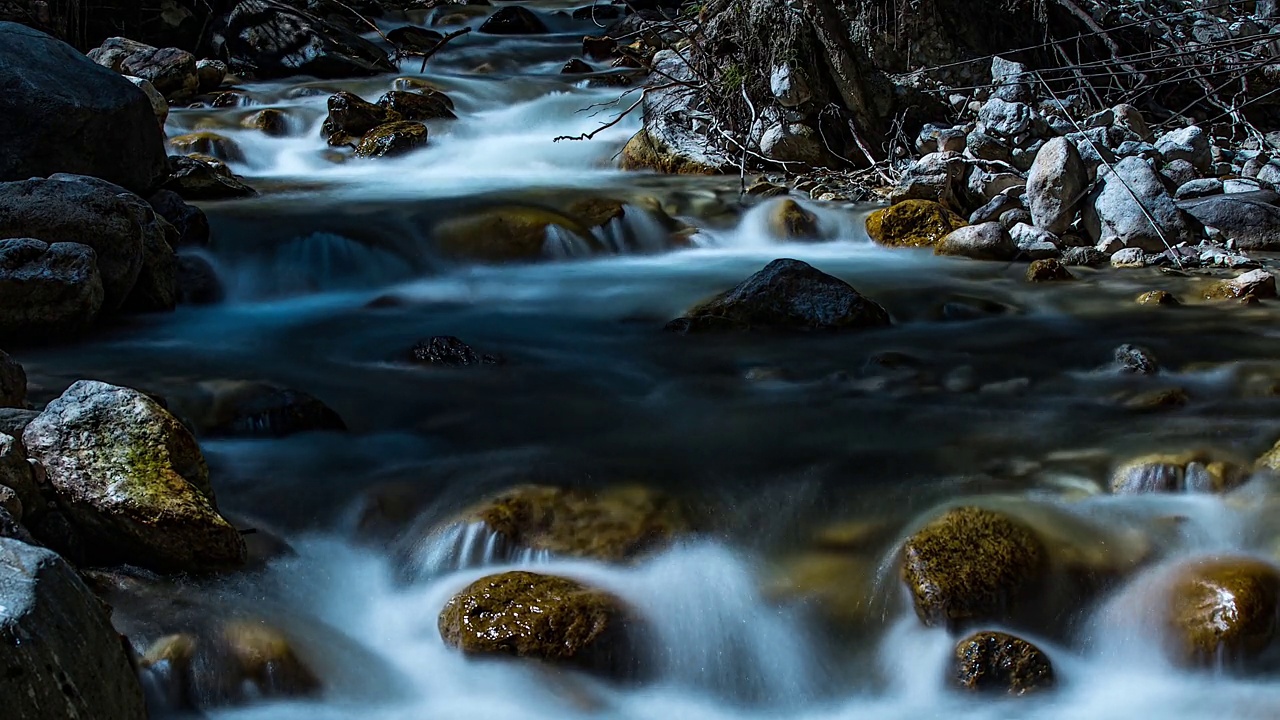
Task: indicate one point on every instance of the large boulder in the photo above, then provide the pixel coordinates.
(60, 657)
(271, 39)
(546, 618)
(47, 290)
(786, 295)
(171, 71)
(1056, 185)
(984, 241)
(1249, 220)
(65, 113)
(1112, 214)
(912, 223)
(132, 480)
(1223, 611)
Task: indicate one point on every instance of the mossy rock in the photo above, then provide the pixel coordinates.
(645, 152)
(614, 524)
(973, 565)
(207, 143)
(544, 617)
(1223, 612)
(1161, 298)
(1251, 285)
(1048, 270)
(271, 121)
(788, 220)
(352, 117)
(594, 212)
(993, 662)
(392, 139)
(506, 233)
(1270, 460)
(1194, 471)
(912, 223)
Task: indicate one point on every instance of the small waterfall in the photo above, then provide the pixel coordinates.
(459, 546)
(637, 231)
(562, 243)
(316, 262)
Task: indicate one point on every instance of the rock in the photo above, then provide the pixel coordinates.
(449, 351)
(13, 381)
(645, 151)
(207, 143)
(198, 282)
(210, 74)
(544, 617)
(576, 66)
(1055, 185)
(1242, 186)
(1158, 297)
(195, 179)
(1010, 219)
(157, 287)
(271, 121)
(409, 37)
(1247, 220)
(1033, 242)
(1011, 80)
(1141, 150)
(986, 147)
(1179, 173)
(190, 221)
(17, 475)
(508, 233)
(171, 71)
(65, 113)
(1048, 270)
(1128, 117)
(270, 39)
(13, 421)
(1129, 258)
(47, 290)
(1190, 144)
(132, 480)
(1187, 472)
(1136, 360)
(1222, 612)
(424, 105)
(1005, 119)
(912, 223)
(996, 207)
(988, 241)
(1084, 256)
(839, 584)
(159, 105)
(1193, 189)
(939, 177)
(513, 20)
(786, 295)
(972, 565)
(1112, 213)
(1153, 400)
(793, 143)
(1000, 663)
(788, 220)
(1255, 283)
(351, 117)
(61, 657)
(261, 410)
(788, 85)
(392, 139)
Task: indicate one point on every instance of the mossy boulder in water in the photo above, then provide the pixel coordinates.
(1000, 663)
(132, 480)
(207, 143)
(1197, 471)
(271, 121)
(912, 223)
(1255, 283)
(544, 617)
(392, 139)
(786, 295)
(1223, 612)
(790, 221)
(1048, 270)
(973, 565)
(508, 233)
(426, 104)
(351, 117)
(646, 152)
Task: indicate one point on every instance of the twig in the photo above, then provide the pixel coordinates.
(427, 55)
(605, 126)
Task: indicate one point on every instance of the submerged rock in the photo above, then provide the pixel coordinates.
(912, 223)
(785, 295)
(544, 617)
(790, 221)
(509, 233)
(1000, 663)
(47, 290)
(1223, 612)
(61, 658)
(1136, 360)
(449, 351)
(132, 480)
(513, 20)
(263, 410)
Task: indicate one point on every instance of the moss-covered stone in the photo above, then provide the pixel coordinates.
(271, 121)
(1194, 471)
(841, 586)
(1158, 297)
(1270, 460)
(1048, 270)
(392, 139)
(994, 662)
(645, 152)
(594, 212)
(973, 565)
(912, 223)
(543, 617)
(207, 143)
(1254, 284)
(506, 233)
(790, 221)
(1223, 611)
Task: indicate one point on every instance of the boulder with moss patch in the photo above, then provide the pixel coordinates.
(509, 233)
(994, 662)
(646, 152)
(392, 139)
(1223, 612)
(912, 223)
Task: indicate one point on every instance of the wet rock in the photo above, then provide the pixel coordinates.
(912, 223)
(1222, 612)
(1129, 258)
(1158, 297)
(207, 143)
(987, 241)
(262, 410)
(210, 74)
(1048, 270)
(509, 233)
(392, 139)
(195, 179)
(1112, 213)
(132, 480)
(426, 104)
(972, 565)
(170, 70)
(449, 351)
(270, 39)
(1136, 360)
(544, 617)
(198, 282)
(1255, 283)
(1248, 220)
(1188, 472)
(1084, 257)
(1055, 185)
(998, 663)
(47, 290)
(1190, 144)
(190, 221)
(790, 221)
(513, 20)
(786, 295)
(575, 66)
(61, 658)
(65, 113)
(159, 105)
(646, 151)
(351, 117)
(271, 121)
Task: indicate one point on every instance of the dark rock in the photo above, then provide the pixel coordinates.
(785, 295)
(13, 421)
(1222, 612)
(210, 74)
(1136, 360)
(190, 221)
(270, 39)
(425, 104)
(65, 113)
(271, 121)
(1087, 256)
(198, 282)
(1179, 173)
(47, 290)
(599, 48)
(575, 67)
(449, 351)
(196, 179)
(409, 37)
(257, 410)
(1000, 663)
(208, 143)
(171, 71)
(513, 20)
(392, 139)
(1158, 297)
(350, 117)
(1249, 220)
(13, 383)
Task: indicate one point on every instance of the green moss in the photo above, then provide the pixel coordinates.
(912, 223)
(732, 78)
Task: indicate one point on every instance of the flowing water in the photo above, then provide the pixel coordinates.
(987, 390)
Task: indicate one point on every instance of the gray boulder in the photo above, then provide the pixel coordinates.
(132, 480)
(986, 241)
(1055, 185)
(1113, 212)
(1188, 143)
(937, 176)
(1033, 242)
(17, 474)
(1005, 119)
(61, 658)
(1247, 219)
(1011, 80)
(47, 290)
(1199, 188)
(64, 113)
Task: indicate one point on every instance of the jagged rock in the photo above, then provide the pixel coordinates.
(392, 139)
(788, 85)
(61, 657)
(132, 480)
(1084, 257)
(1112, 213)
(188, 220)
(1136, 360)
(449, 351)
(425, 104)
(47, 290)
(988, 241)
(1190, 144)
(170, 70)
(1246, 219)
(785, 295)
(575, 66)
(1033, 242)
(350, 117)
(1055, 185)
(912, 223)
(939, 177)
(513, 20)
(196, 179)
(999, 663)
(1179, 173)
(1005, 119)
(986, 147)
(1129, 258)
(270, 39)
(1011, 80)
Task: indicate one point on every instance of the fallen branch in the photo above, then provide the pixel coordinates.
(605, 126)
(443, 41)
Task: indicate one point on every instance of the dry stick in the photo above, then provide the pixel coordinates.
(443, 41)
(605, 126)
(1156, 226)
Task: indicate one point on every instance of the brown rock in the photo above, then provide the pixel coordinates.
(1000, 663)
